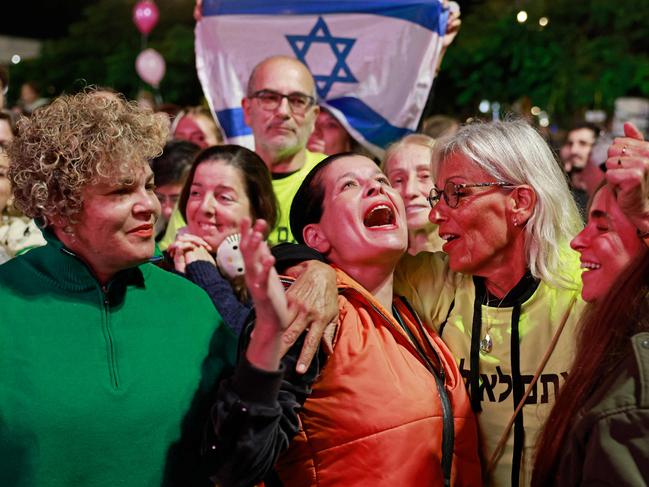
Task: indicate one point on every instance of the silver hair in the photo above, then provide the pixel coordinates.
(514, 152)
(411, 139)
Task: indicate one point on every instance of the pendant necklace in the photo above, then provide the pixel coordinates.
(486, 343)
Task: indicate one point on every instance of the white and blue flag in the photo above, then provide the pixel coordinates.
(373, 61)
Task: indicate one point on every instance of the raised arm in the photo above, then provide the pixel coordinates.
(627, 171)
(265, 348)
(256, 412)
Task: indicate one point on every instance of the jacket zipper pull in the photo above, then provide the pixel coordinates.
(104, 290)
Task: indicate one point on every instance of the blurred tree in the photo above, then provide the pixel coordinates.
(100, 49)
(588, 54)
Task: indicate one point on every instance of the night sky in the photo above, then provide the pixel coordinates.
(39, 19)
(48, 19)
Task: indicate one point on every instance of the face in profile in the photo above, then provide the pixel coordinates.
(409, 171)
(477, 234)
(363, 216)
(329, 136)
(115, 226)
(607, 244)
(217, 202)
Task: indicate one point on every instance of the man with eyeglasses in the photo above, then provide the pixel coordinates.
(280, 107)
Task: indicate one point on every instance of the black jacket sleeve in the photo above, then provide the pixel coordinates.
(255, 417)
(235, 314)
(288, 254)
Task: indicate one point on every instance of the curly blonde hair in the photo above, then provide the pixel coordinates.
(74, 142)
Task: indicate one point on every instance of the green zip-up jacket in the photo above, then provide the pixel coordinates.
(104, 386)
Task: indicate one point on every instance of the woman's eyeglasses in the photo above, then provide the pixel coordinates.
(452, 192)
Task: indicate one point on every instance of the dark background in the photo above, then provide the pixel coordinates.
(590, 53)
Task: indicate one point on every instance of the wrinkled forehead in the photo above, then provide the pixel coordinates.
(457, 166)
(410, 156)
(284, 76)
(353, 166)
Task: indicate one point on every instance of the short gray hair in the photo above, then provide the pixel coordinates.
(514, 152)
(421, 140)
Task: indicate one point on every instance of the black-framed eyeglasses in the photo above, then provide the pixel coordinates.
(270, 100)
(452, 192)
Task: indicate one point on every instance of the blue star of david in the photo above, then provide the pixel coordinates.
(340, 46)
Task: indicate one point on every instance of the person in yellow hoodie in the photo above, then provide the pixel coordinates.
(505, 297)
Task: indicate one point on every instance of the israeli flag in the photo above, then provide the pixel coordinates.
(373, 60)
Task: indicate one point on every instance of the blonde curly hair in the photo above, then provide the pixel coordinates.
(74, 142)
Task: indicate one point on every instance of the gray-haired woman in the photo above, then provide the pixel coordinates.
(505, 299)
(506, 296)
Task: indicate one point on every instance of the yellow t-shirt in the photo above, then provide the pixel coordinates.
(432, 289)
(284, 187)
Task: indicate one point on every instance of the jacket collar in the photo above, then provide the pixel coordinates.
(66, 270)
(519, 294)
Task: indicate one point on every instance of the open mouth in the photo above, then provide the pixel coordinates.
(448, 236)
(379, 216)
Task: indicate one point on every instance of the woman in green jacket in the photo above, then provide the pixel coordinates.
(107, 362)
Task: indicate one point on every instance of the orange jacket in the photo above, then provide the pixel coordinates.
(376, 415)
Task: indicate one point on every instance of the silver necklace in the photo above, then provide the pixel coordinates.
(486, 343)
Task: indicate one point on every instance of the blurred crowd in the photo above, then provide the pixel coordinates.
(471, 309)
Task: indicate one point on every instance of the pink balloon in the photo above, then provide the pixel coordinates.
(145, 16)
(150, 65)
